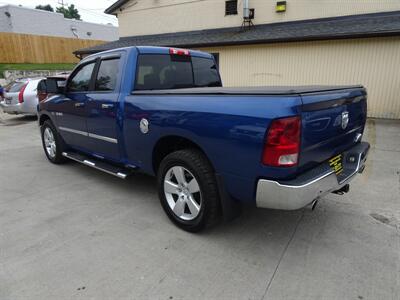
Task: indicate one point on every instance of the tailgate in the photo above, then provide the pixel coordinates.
(332, 122)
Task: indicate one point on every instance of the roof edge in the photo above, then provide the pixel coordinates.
(113, 7)
(258, 42)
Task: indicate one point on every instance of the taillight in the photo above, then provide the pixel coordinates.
(175, 51)
(21, 93)
(282, 144)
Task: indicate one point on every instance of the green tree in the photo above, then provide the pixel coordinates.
(45, 7)
(70, 12)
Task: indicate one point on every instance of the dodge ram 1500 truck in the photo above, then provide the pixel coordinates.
(164, 112)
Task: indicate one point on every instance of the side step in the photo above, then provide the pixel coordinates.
(98, 164)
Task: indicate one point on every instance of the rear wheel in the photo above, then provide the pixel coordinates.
(188, 190)
(52, 143)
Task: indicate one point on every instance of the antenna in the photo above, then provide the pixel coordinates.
(61, 2)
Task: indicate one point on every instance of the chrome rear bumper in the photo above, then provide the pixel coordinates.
(314, 184)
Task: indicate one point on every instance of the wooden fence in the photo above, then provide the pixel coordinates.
(28, 48)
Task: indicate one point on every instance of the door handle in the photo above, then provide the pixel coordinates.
(105, 106)
(79, 104)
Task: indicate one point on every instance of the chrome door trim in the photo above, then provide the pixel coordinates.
(92, 135)
(73, 130)
(103, 138)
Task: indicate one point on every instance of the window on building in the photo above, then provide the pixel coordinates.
(80, 81)
(107, 75)
(231, 7)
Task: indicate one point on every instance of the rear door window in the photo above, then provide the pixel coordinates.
(159, 72)
(107, 75)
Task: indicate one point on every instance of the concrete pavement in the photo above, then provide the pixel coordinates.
(71, 232)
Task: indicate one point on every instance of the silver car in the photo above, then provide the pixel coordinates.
(20, 97)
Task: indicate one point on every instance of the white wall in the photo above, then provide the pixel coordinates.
(141, 17)
(39, 22)
(5, 22)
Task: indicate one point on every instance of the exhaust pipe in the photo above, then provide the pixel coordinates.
(345, 189)
(314, 204)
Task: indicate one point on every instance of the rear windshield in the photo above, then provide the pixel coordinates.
(15, 87)
(160, 72)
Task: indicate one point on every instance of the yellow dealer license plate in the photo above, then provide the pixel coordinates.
(336, 164)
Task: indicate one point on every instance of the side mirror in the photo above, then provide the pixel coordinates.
(54, 86)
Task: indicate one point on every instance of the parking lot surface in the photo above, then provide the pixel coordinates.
(71, 232)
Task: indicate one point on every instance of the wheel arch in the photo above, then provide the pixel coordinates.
(171, 143)
(43, 118)
(229, 207)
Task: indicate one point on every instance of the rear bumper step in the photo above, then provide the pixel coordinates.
(312, 185)
(97, 164)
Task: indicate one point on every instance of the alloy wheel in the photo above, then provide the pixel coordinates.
(182, 192)
(49, 142)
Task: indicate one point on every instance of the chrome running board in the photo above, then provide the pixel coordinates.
(99, 164)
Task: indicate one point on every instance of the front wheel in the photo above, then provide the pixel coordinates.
(188, 190)
(52, 143)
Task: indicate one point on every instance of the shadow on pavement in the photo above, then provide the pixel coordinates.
(253, 222)
(15, 120)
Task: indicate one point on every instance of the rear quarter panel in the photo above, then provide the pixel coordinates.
(229, 129)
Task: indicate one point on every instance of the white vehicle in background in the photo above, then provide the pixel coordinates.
(20, 97)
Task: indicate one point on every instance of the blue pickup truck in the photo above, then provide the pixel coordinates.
(164, 112)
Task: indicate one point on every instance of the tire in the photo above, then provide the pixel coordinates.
(53, 152)
(177, 200)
